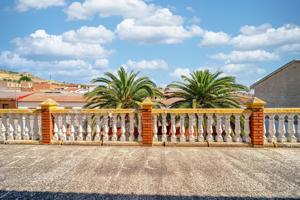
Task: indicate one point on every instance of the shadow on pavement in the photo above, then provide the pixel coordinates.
(11, 194)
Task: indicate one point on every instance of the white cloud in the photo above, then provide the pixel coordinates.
(101, 63)
(252, 30)
(241, 56)
(106, 8)
(24, 5)
(178, 72)
(133, 30)
(74, 70)
(147, 64)
(42, 43)
(210, 38)
(190, 9)
(142, 22)
(266, 36)
(93, 35)
(242, 69)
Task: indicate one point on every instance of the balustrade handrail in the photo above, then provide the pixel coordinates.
(19, 111)
(202, 111)
(93, 111)
(281, 110)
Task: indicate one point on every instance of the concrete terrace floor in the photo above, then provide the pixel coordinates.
(97, 172)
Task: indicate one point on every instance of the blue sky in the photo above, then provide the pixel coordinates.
(76, 41)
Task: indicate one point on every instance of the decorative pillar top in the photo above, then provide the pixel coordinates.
(49, 103)
(147, 103)
(255, 103)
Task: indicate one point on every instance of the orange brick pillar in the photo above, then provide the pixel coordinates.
(257, 121)
(147, 132)
(47, 120)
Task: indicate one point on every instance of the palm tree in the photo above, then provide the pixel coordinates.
(123, 90)
(24, 78)
(204, 89)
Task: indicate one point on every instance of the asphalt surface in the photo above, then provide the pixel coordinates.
(97, 172)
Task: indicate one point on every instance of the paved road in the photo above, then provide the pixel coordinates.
(91, 172)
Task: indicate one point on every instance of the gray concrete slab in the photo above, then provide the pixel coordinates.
(98, 172)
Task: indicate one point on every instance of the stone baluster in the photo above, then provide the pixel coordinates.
(191, 127)
(272, 129)
(97, 128)
(219, 130)
(25, 127)
(39, 126)
(237, 130)
(209, 137)
(246, 137)
(105, 128)
(10, 127)
(173, 128)
(182, 128)
(123, 128)
(55, 129)
(60, 124)
(2, 128)
(80, 128)
(140, 137)
(228, 130)
(63, 136)
(155, 129)
(14, 125)
(36, 135)
(114, 128)
(131, 127)
(281, 127)
(298, 128)
(31, 126)
(164, 128)
(200, 128)
(89, 127)
(18, 127)
(71, 121)
(291, 129)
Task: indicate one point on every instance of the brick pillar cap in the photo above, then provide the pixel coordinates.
(147, 102)
(255, 103)
(49, 103)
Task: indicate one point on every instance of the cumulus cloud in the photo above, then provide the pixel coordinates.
(266, 36)
(86, 34)
(178, 72)
(106, 8)
(74, 70)
(210, 38)
(101, 63)
(248, 56)
(74, 45)
(241, 69)
(132, 30)
(142, 22)
(25, 5)
(147, 64)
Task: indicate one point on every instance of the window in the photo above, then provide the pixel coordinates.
(5, 105)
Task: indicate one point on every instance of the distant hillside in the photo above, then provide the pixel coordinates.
(15, 76)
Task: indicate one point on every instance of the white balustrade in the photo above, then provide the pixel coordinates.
(282, 127)
(19, 126)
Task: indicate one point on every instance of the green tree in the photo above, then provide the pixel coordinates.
(206, 89)
(123, 90)
(25, 78)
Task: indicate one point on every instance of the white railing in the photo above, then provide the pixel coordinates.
(97, 124)
(20, 124)
(282, 125)
(201, 125)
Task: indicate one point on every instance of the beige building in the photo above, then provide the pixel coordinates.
(281, 88)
